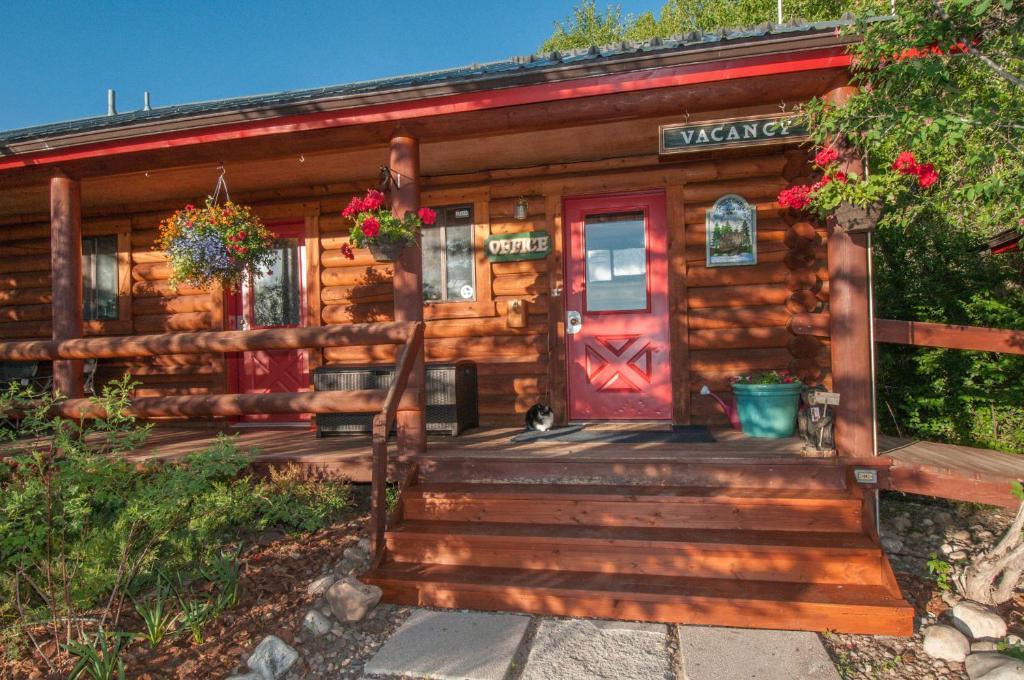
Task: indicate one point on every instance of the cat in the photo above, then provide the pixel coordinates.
(540, 418)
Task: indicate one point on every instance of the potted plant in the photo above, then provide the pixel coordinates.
(215, 244)
(767, 403)
(856, 203)
(374, 226)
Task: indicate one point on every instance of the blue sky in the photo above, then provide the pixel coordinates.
(59, 58)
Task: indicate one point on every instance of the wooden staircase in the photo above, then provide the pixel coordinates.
(745, 543)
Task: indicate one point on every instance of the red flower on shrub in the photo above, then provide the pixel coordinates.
(826, 157)
(927, 175)
(427, 215)
(905, 163)
(371, 227)
(796, 197)
(346, 250)
(189, 207)
(840, 176)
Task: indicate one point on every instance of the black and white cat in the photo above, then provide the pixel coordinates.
(540, 418)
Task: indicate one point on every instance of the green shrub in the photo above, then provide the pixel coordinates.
(83, 529)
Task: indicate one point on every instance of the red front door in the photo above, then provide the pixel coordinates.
(274, 300)
(617, 321)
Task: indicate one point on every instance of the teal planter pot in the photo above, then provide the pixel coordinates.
(768, 410)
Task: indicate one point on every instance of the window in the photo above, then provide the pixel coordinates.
(616, 252)
(99, 278)
(448, 263)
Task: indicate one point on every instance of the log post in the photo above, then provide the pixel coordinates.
(408, 280)
(66, 267)
(850, 313)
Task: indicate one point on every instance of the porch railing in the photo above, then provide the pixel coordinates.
(385, 404)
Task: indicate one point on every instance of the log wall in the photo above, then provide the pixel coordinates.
(727, 320)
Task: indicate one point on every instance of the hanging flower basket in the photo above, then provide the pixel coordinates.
(856, 203)
(374, 226)
(216, 244)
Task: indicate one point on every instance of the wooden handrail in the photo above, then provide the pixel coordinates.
(202, 342)
(922, 334)
(382, 423)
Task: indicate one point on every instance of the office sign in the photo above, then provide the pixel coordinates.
(528, 245)
(733, 132)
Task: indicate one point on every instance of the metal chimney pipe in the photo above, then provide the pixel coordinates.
(111, 103)
(145, 102)
(780, 11)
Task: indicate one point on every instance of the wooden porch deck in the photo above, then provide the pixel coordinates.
(948, 471)
(349, 455)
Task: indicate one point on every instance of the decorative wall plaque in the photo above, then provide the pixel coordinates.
(731, 232)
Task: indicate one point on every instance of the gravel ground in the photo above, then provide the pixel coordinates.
(913, 529)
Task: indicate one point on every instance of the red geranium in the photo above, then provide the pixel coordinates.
(797, 197)
(905, 163)
(427, 215)
(371, 227)
(927, 175)
(826, 157)
(354, 207)
(374, 200)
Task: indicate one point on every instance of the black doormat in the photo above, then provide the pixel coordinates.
(679, 434)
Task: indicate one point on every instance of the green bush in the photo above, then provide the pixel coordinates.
(82, 528)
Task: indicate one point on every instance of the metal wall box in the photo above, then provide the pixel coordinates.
(451, 399)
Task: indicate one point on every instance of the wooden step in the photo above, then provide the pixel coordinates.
(809, 557)
(633, 468)
(862, 609)
(819, 510)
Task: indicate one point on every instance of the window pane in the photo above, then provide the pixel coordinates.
(276, 298)
(99, 278)
(616, 253)
(459, 252)
(433, 264)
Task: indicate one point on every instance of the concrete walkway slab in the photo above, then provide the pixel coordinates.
(451, 645)
(744, 654)
(612, 650)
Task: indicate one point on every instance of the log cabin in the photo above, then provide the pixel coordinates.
(603, 169)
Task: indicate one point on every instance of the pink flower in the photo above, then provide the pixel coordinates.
(826, 157)
(354, 207)
(346, 250)
(374, 200)
(427, 216)
(796, 197)
(371, 227)
(190, 207)
(905, 163)
(927, 175)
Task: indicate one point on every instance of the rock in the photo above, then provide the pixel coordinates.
(350, 599)
(1014, 640)
(957, 555)
(316, 623)
(946, 643)
(892, 545)
(945, 548)
(950, 598)
(962, 535)
(994, 666)
(943, 519)
(978, 621)
(272, 658)
(364, 545)
(984, 646)
(246, 676)
(320, 585)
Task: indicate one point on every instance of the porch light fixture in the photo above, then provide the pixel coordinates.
(522, 208)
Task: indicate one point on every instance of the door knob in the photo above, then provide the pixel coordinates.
(573, 322)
